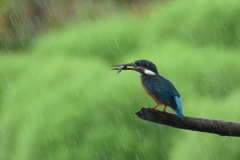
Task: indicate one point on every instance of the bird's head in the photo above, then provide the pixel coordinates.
(143, 67)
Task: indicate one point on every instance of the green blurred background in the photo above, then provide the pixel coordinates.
(60, 100)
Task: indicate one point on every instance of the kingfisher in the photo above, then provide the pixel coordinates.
(157, 86)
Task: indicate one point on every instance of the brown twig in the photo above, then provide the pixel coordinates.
(223, 128)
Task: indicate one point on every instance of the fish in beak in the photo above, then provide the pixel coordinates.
(121, 67)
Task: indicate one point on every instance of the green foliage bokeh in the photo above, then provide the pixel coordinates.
(60, 100)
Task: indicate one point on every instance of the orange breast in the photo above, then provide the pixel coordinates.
(151, 94)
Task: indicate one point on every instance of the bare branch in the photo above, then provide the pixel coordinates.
(222, 128)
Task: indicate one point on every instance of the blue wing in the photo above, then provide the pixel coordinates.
(165, 91)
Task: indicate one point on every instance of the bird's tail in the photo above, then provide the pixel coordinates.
(179, 106)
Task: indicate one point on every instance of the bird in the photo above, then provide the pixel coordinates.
(160, 88)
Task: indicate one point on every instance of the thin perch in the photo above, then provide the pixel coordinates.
(222, 128)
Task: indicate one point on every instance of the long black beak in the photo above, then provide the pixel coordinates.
(122, 67)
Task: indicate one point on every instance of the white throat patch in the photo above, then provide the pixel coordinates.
(149, 72)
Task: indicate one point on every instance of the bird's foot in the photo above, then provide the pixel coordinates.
(164, 108)
(155, 107)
